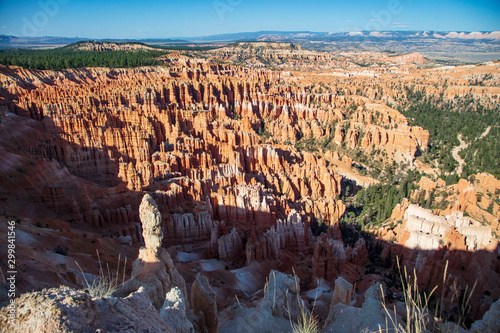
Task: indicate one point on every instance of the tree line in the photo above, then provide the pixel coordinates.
(65, 58)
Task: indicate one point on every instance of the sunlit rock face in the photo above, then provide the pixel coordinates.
(423, 230)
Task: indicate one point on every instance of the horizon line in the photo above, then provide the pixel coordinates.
(258, 31)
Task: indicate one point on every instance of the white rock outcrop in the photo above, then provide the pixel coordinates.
(427, 231)
(173, 312)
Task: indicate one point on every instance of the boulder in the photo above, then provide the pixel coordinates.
(371, 317)
(490, 321)
(173, 312)
(342, 293)
(282, 296)
(204, 301)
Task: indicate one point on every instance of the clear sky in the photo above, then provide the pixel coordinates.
(190, 18)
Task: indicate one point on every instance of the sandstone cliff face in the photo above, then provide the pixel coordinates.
(144, 127)
(333, 259)
(415, 58)
(475, 196)
(429, 243)
(90, 142)
(278, 52)
(280, 306)
(329, 258)
(230, 246)
(290, 234)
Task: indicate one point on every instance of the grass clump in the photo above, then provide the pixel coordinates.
(106, 283)
(417, 306)
(462, 310)
(307, 322)
(416, 320)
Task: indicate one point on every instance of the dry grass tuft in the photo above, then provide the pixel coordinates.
(416, 305)
(106, 283)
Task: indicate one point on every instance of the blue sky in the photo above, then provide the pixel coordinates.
(189, 18)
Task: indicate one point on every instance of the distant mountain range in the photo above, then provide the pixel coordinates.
(7, 41)
(353, 35)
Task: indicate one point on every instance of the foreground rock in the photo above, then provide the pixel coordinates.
(204, 302)
(280, 307)
(174, 311)
(370, 317)
(490, 321)
(61, 310)
(342, 292)
(155, 285)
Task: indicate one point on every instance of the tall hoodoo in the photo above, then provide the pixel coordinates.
(154, 269)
